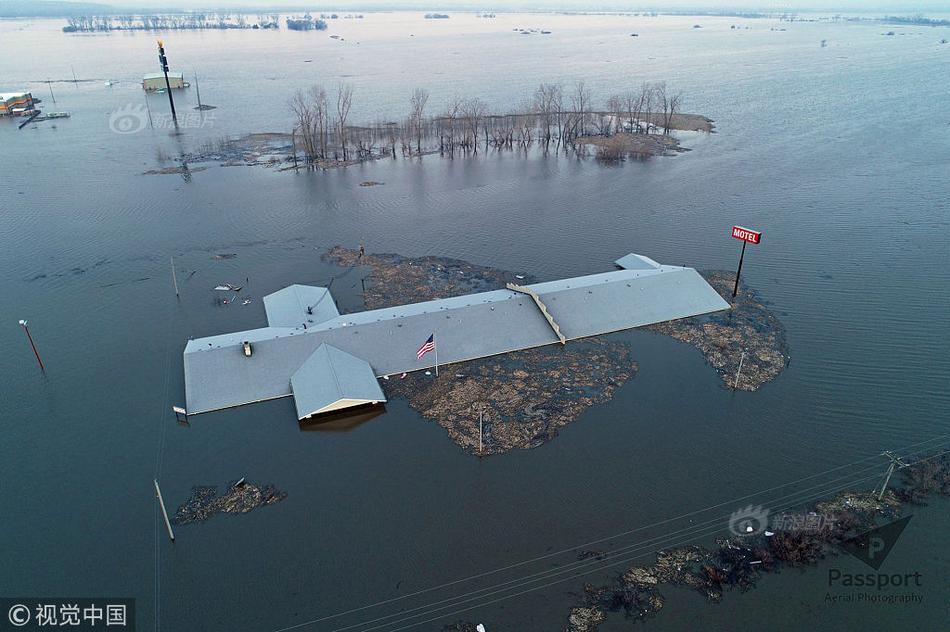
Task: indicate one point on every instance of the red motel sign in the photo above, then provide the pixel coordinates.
(745, 234)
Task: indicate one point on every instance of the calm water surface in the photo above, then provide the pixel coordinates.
(840, 154)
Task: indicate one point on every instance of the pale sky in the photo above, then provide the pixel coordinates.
(903, 6)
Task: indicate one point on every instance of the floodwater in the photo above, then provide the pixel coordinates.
(839, 154)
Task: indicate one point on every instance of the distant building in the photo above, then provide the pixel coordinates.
(15, 103)
(154, 82)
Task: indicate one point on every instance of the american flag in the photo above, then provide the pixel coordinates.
(427, 346)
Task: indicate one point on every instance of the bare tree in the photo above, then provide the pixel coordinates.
(344, 99)
(474, 111)
(417, 103)
(450, 119)
(547, 103)
(321, 113)
(580, 106)
(671, 104)
(304, 124)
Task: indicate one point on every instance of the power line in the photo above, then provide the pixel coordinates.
(581, 546)
(653, 543)
(625, 560)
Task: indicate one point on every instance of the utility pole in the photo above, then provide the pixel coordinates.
(26, 328)
(481, 414)
(168, 87)
(148, 110)
(895, 462)
(174, 276)
(161, 502)
(480, 407)
(741, 358)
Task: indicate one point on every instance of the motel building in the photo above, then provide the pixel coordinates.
(16, 103)
(156, 81)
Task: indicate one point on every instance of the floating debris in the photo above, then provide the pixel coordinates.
(241, 497)
(227, 287)
(371, 183)
(226, 255)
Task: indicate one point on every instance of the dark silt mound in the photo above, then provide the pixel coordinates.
(239, 498)
(722, 336)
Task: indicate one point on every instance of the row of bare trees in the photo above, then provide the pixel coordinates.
(552, 115)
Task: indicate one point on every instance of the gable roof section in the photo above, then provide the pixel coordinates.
(331, 379)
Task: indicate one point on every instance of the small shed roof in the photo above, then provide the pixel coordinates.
(6, 96)
(299, 305)
(331, 379)
(633, 261)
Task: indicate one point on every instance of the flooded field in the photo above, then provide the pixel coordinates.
(854, 214)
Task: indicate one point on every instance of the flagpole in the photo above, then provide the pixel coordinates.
(436, 345)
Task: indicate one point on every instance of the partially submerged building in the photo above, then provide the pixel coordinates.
(329, 362)
(156, 81)
(16, 103)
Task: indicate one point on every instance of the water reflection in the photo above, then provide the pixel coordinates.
(343, 421)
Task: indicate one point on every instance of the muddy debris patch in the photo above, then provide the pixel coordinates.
(526, 396)
(798, 539)
(239, 497)
(397, 280)
(722, 336)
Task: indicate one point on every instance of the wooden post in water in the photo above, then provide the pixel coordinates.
(168, 525)
(26, 328)
(481, 415)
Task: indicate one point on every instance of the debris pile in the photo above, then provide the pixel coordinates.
(526, 396)
(240, 497)
(397, 280)
(722, 336)
(738, 562)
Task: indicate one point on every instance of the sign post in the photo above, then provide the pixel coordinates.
(163, 61)
(748, 237)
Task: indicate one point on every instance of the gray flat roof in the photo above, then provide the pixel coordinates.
(218, 375)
